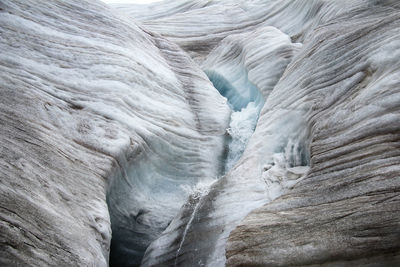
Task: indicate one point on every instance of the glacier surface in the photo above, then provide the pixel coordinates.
(200, 133)
(80, 121)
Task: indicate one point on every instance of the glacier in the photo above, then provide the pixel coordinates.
(200, 133)
(74, 80)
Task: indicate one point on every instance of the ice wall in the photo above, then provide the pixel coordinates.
(94, 105)
(344, 211)
(324, 155)
(244, 74)
(198, 26)
(91, 103)
(242, 189)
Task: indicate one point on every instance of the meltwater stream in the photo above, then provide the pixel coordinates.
(240, 129)
(245, 101)
(135, 222)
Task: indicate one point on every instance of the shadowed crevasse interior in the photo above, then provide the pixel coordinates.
(133, 226)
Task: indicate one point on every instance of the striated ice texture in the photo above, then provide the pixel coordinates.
(234, 70)
(200, 133)
(317, 97)
(95, 108)
(243, 188)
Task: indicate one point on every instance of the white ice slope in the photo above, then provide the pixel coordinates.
(243, 188)
(326, 142)
(92, 103)
(102, 105)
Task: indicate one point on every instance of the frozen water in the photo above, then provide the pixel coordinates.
(240, 129)
(245, 78)
(94, 105)
(246, 102)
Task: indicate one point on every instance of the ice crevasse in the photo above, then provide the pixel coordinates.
(199, 133)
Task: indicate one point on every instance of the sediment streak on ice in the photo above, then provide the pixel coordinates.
(90, 99)
(92, 102)
(234, 67)
(335, 108)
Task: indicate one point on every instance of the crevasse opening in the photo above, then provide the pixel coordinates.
(246, 102)
(147, 196)
(144, 198)
(239, 91)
